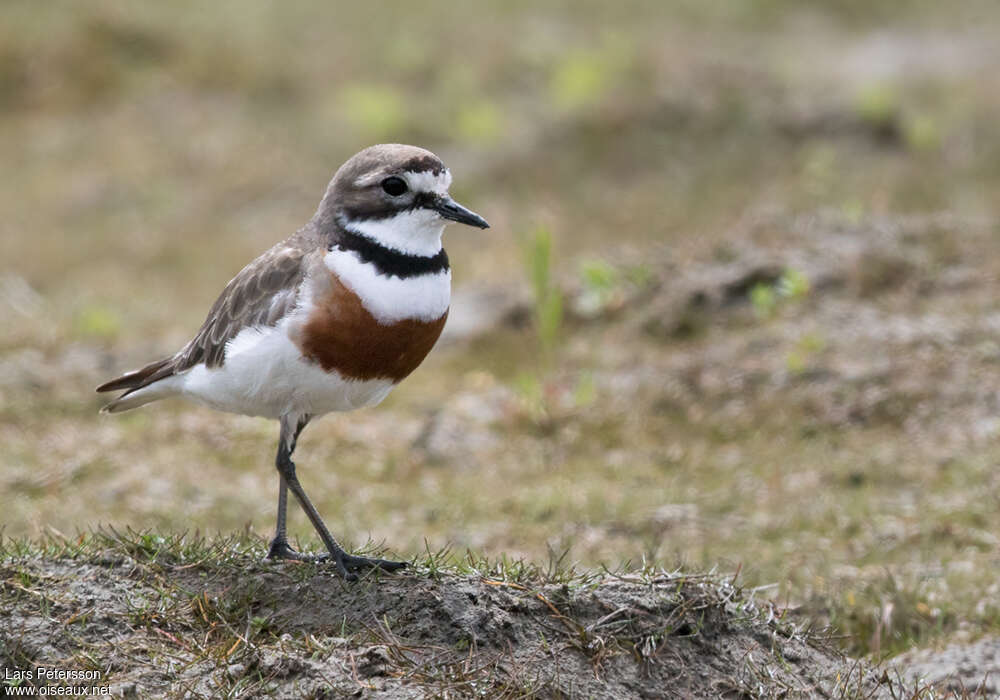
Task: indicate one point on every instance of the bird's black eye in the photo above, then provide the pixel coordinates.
(394, 186)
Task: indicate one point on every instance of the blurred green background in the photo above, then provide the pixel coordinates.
(151, 149)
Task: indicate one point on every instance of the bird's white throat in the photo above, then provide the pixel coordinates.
(390, 299)
(411, 232)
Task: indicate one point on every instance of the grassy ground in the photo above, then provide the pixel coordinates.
(195, 618)
(829, 429)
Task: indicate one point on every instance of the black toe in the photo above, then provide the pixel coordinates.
(359, 563)
(281, 550)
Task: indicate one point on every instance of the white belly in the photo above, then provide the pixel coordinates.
(264, 374)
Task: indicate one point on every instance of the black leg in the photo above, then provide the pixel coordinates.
(346, 563)
(280, 549)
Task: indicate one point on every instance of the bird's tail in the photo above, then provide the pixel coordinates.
(143, 385)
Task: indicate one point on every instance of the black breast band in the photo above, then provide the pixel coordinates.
(387, 261)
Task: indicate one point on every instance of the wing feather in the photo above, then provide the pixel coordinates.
(261, 294)
(250, 299)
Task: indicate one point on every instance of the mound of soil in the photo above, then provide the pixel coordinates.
(958, 669)
(234, 627)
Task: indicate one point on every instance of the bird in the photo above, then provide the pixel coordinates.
(330, 319)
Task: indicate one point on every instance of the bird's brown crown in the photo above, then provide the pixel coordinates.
(356, 189)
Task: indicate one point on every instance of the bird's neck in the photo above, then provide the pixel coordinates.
(387, 261)
(415, 232)
(391, 285)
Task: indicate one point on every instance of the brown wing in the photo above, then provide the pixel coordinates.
(260, 295)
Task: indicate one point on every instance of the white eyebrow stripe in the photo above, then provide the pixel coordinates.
(427, 181)
(424, 181)
(365, 180)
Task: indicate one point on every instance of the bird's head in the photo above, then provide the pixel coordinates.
(397, 196)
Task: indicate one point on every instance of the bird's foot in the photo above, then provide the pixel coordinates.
(280, 549)
(356, 563)
(348, 565)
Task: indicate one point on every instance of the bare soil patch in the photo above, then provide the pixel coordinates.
(176, 619)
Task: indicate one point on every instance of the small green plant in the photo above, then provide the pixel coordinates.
(606, 287)
(599, 275)
(584, 391)
(545, 396)
(547, 299)
(763, 299)
(601, 287)
(532, 396)
(766, 299)
(793, 285)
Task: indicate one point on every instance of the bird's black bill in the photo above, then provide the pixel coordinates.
(453, 211)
